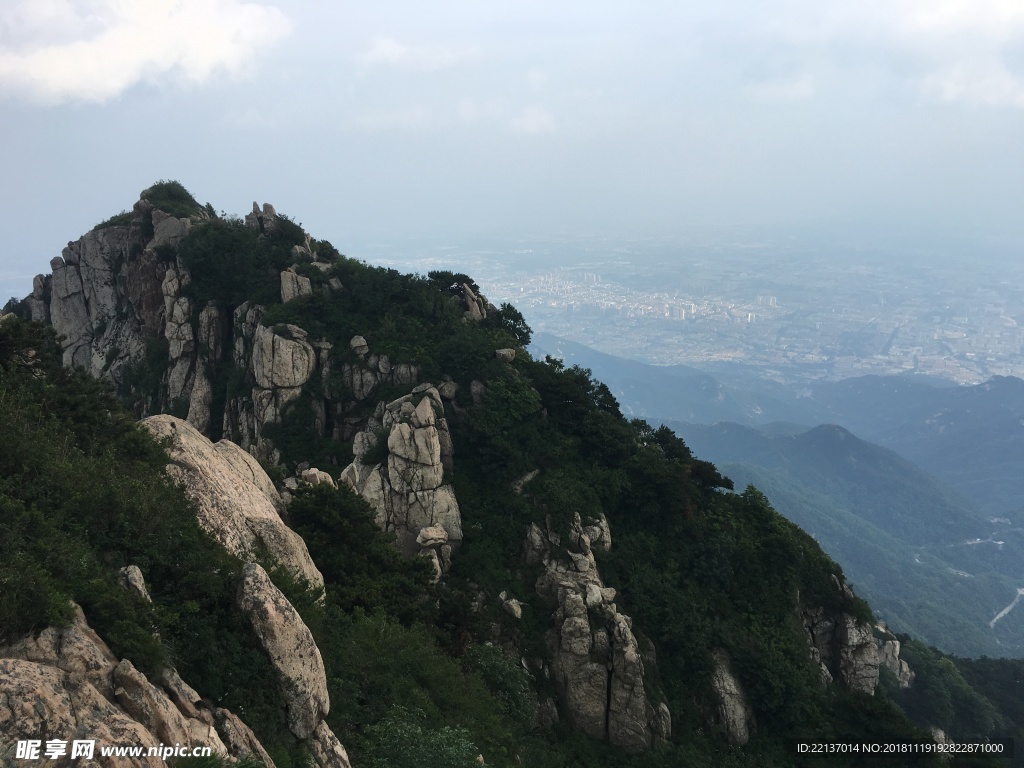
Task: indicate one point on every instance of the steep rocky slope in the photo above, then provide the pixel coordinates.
(508, 477)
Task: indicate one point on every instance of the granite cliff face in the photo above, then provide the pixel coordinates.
(121, 298)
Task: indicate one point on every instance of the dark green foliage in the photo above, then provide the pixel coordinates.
(122, 219)
(400, 740)
(358, 559)
(83, 493)
(230, 264)
(941, 697)
(172, 198)
(452, 281)
(510, 319)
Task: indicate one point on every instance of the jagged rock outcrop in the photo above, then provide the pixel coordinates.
(844, 649)
(233, 496)
(594, 656)
(477, 306)
(66, 684)
(407, 490)
(733, 711)
(889, 656)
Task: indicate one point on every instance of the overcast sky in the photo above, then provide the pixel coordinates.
(451, 119)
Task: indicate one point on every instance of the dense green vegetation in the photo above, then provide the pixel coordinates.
(899, 536)
(424, 674)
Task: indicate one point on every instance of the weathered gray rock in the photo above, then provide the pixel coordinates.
(151, 707)
(845, 650)
(281, 361)
(858, 655)
(407, 490)
(314, 476)
(246, 467)
(358, 345)
(289, 644)
(733, 711)
(232, 498)
(510, 605)
(67, 683)
(167, 230)
(130, 577)
(37, 700)
(432, 536)
(889, 656)
(521, 482)
(326, 750)
(476, 306)
(239, 738)
(595, 660)
(294, 286)
(506, 355)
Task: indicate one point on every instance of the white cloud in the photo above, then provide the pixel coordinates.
(387, 52)
(94, 50)
(953, 49)
(989, 85)
(789, 89)
(534, 119)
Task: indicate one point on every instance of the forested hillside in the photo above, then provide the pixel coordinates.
(511, 571)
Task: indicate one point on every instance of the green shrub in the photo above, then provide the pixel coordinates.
(122, 219)
(172, 198)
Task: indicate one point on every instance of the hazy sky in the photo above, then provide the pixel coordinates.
(394, 119)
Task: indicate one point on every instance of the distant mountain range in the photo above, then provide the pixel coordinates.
(899, 535)
(917, 494)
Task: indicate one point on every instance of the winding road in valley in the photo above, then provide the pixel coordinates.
(1007, 609)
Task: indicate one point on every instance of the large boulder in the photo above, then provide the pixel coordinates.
(233, 497)
(282, 358)
(289, 644)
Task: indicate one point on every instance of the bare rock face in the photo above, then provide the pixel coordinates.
(477, 306)
(733, 712)
(594, 655)
(844, 650)
(233, 496)
(66, 684)
(858, 655)
(150, 705)
(131, 579)
(889, 656)
(88, 307)
(407, 489)
(294, 286)
(38, 701)
(282, 358)
(291, 649)
(239, 738)
(326, 750)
